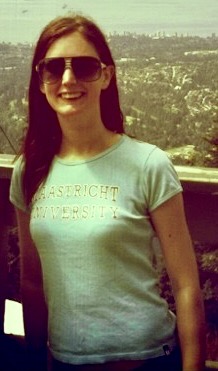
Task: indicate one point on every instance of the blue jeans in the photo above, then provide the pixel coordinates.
(170, 362)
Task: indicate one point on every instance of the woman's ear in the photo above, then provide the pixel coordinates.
(107, 75)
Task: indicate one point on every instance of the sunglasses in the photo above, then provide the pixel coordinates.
(50, 70)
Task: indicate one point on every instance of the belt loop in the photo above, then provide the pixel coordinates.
(167, 350)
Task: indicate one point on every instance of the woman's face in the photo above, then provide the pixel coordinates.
(69, 96)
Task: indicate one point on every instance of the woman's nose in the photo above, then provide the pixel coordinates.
(68, 76)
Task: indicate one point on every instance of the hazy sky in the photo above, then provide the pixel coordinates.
(22, 20)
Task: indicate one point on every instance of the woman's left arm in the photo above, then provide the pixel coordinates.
(170, 223)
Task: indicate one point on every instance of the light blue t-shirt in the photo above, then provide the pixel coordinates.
(91, 225)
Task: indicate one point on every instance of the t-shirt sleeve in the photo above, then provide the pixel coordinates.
(160, 179)
(16, 191)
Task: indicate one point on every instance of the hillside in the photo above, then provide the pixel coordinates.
(168, 91)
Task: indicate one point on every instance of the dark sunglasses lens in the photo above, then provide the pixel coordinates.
(86, 68)
(52, 70)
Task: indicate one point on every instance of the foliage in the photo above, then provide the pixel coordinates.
(168, 91)
(207, 259)
(14, 76)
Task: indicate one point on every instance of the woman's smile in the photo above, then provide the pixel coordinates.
(72, 96)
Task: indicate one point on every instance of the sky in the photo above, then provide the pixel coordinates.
(23, 20)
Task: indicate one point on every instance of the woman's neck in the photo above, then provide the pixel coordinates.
(80, 141)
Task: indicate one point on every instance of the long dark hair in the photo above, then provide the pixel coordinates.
(43, 136)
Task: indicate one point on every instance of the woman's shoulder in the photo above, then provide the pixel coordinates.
(18, 168)
(144, 151)
(16, 186)
(19, 163)
(139, 144)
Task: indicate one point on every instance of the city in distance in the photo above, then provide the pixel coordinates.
(22, 20)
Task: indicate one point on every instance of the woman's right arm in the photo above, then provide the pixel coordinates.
(34, 306)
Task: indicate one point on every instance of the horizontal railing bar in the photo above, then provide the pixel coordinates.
(185, 173)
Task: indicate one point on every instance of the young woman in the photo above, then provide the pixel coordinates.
(89, 202)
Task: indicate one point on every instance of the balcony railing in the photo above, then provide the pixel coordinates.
(200, 197)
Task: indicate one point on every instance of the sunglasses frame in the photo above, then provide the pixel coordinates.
(69, 64)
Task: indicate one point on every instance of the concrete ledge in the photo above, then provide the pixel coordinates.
(6, 165)
(208, 176)
(211, 365)
(197, 179)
